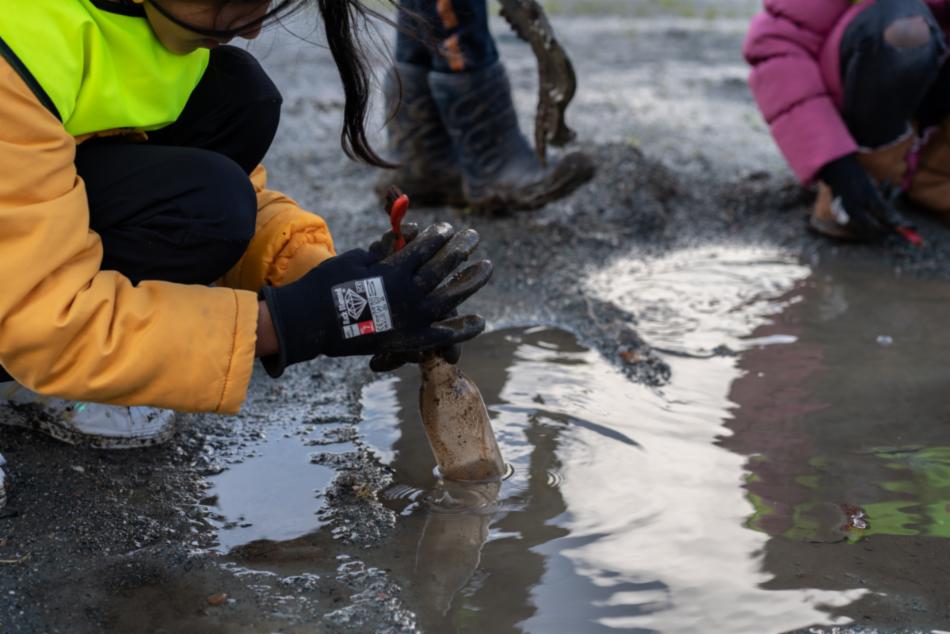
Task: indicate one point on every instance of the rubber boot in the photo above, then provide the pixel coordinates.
(429, 169)
(887, 165)
(930, 187)
(500, 169)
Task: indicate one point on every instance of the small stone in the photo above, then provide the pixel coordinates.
(884, 340)
(79, 469)
(217, 599)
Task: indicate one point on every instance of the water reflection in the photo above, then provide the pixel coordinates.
(695, 301)
(846, 443)
(450, 545)
(455, 578)
(802, 481)
(640, 527)
(273, 494)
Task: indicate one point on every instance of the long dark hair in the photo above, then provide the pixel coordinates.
(342, 20)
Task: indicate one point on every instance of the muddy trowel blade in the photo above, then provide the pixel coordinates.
(557, 82)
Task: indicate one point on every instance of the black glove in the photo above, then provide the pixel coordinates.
(389, 361)
(866, 212)
(383, 248)
(357, 304)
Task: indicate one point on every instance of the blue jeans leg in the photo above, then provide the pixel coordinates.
(445, 35)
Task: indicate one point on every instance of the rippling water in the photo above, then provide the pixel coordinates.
(622, 511)
(795, 472)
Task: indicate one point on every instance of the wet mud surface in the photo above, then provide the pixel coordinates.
(715, 421)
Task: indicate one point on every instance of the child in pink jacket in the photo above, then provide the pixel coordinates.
(857, 94)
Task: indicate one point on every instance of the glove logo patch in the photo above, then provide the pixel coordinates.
(362, 307)
(354, 304)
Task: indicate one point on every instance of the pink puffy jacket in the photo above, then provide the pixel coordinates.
(796, 77)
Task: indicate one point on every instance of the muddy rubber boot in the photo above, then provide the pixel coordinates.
(87, 424)
(500, 169)
(886, 165)
(930, 187)
(429, 169)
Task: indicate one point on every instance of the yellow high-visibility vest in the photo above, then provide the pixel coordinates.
(96, 64)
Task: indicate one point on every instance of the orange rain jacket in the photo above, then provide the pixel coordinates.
(69, 329)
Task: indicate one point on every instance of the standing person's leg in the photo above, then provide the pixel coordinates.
(444, 35)
(469, 89)
(418, 142)
(463, 40)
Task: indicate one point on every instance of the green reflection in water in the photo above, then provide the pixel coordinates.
(762, 510)
(923, 508)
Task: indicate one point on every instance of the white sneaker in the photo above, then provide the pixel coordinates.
(89, 424)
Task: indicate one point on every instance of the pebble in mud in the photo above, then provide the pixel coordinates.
(305, 582)
(334, 460)
(884, 340)
(353, 510)
(376, 602)
(335, 436)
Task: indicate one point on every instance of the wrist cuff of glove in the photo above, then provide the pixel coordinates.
(274, 364)
(295, 342)
(844, 174)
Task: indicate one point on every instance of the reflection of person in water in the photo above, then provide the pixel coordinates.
(767, 425)
(835, 450)
(856, 95)
(801, 406)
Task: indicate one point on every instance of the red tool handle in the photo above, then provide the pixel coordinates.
(397, 208)
(911, 236)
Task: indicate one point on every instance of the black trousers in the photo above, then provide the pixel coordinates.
(180, 207)
(888, 86)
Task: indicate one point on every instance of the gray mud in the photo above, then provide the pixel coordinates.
(183, 538)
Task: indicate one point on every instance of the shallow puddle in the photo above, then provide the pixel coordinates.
(621, 512)
(796, 471)
(274, 494)
(767, 488)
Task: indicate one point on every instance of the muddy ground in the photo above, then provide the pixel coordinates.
(125, 541)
